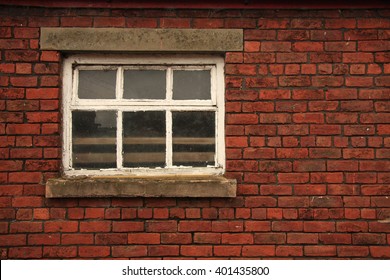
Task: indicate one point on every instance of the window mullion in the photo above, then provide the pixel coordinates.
(119, 83)
(168, 122)
(119, 140)
(119, 118)
(169, 84)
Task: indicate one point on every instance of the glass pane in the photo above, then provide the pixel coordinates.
(144, 84)
(97, 84)
(193, 136)
(191, 85)
(94, 139)
(144, 139)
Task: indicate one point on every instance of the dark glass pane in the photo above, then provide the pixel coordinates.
(97, 84)
(191, 85)
(94, 139)
(144, 84)
(144, 139)
(193, 136)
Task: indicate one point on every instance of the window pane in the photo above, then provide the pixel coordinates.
(97, 84)
(191, 85)
(144, 84)
(144, 139)
(193, 136)
(94, 139)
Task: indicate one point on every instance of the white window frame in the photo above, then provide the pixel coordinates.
(71, 102)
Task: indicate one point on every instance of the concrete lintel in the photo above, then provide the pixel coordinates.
(141, 39)
(164, 186)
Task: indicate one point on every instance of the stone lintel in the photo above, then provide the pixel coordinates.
(141, 39)
(162, 186)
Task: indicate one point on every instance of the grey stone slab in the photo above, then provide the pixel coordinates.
(162, 186)
(141, 39)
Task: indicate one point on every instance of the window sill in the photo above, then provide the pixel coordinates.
(158, 186)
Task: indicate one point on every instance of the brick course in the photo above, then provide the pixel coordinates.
(307, 138)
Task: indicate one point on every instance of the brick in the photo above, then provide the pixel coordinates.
(291, 57)
(241, 69)
(25, 253)
(42, 93)
(318, 226)
(259, 58)
(143, 238)
(302, 238)
(163, 250)
(287, 226)
(18, 227)
(94, 251)
(61, 226)
(379, 252)
(326, 201)
(25, 177)
(227, 226)
(289, 251)
(294, 81)
(342, 165)
(196, 251)
(358, 57)
(308, 118)
(293, 35)
(242, 119)
(293, 178)
(368, 238)
(206, 23)
(227, 251)
(176, 238)
(109, 22)
(77, 238)
(10, 165)
(26, 153)
(21, 55)
(335, 238)
(258, 250)
(310, 189)
(308, 47)
(275, 46)
(374, 94)
(76, 21)
(129, 251)
(13, 240)
(356, 226)
(321, 250)
(263, 35)
(352, 251)
(258, 107)
(269, 238)
(379, 227)
(240, 23)
(340, 23)
(207, 238)
(358, 153)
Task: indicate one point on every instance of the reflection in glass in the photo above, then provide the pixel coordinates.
(191, 85)
(97, 84)
(94, 139)
(193, 138)
(144, 84)
(144, 139)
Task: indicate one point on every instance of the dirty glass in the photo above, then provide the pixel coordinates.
(97, 84)
(94, 139)
(191, 85)
(144, 84)
(144, 139)
(193, 136)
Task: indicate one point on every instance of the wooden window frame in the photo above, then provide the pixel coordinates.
(121, 62)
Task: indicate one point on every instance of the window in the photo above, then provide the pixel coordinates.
(143, 115)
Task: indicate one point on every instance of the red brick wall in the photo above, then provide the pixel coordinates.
(307, 133)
